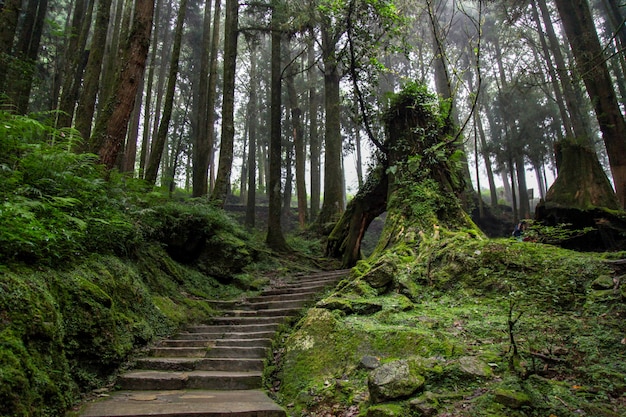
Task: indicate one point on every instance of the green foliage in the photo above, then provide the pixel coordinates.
(56, 204)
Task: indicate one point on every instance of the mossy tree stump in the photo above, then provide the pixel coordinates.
(582, 198)
(417, 181)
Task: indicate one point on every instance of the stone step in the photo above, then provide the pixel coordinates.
(283, 296)
(210, 352)
(261, 313)
(220, 335)
(201, 364)
(225, 329)
(205, 380)
(188, 403)
(261, 306)
(274, 320)
(262, 342)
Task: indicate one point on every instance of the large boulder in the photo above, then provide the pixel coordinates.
(393, 380)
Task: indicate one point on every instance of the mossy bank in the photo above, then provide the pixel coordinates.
(463, 327)
(66, 330)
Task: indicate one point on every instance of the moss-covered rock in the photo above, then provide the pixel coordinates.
(392, 381)
(511, 399)
(603, 282)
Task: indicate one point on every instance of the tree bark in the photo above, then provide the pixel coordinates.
(222, 181)
(314, 141)
(332, 207)
(582, 36)
(201, 136)
(581, 129)
(76, 61)
(253, 117)
(87, 102)
(275, 238)
(110, 130)
(298, 140)
(19, 83)
(9, 15)
(159, 144)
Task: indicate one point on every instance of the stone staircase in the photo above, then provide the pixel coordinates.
(215, 369)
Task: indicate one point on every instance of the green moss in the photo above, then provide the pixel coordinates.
(388, 410)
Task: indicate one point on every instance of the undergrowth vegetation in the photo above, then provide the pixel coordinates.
(94, 267)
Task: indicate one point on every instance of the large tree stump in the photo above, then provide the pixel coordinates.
(417, 181)
(582, 199)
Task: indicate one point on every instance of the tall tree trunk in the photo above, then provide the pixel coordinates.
(253, 120)
(581, 34)
(314, 141)
(159, 144)
(87, 102)
(112, 54)
(20, 82)
(485, 154)
(298, 140)
(275, 238)
(222, 181)
(147, 115)
(580, 128)
(212, 94)
(76, 62)
(332, 207)
(524, 200)
(554, 79)
(9, 15)
(111, 126)
(200, 136)
(130, 152)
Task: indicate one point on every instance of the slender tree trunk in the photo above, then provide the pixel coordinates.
(524, 201)
(212, 94)
(275, 238)
(19, 82)
(158, 147)
(147, 115)
(76, 62)
(222, 182)
(112, 52)
(314, 141)
(111, 127)
(359, 157)
(298, 140)
(201, 137)
(483, 147)
(9, 15)
(582, 36)
(580, 128)
(253, 120)
(554, 79)
(130, 153)
(332, 206)
(87, 101)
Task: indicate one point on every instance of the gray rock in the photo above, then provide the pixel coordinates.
(369, 362)
(392, 381)
(475, 367)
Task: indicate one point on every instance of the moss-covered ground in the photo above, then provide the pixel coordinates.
(495, 327)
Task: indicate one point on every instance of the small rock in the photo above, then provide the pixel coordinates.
(603, 282)
(369, 362)
(473, 366)
(511, 399)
